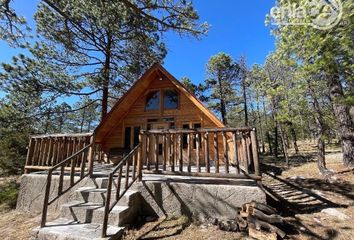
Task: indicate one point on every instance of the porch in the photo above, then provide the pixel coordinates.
(192, 156)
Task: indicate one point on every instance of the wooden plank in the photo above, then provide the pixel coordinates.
(46, 199)
(164, 152)
(172, 152)
(244, 148)
(127, 173)
(199, 130)
(216, 152)
(237, 163)
(141, 156)
(90, 156)
(156, 151)
(61, 180)
(226, 153)
(148, 153)
(206, 152)
(204, 174)
(135, 156)
(190, 142)
(36, 152)
(50, 152)
(197, 146)
(30, 151)
(180, 155)
(119, 181)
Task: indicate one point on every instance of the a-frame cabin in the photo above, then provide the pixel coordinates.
(156, 101)
(157, 127)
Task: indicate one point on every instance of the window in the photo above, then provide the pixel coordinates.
(153, 100)
(170, 99)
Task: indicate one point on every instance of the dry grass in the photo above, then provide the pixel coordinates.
(15, 225)
(181, 229)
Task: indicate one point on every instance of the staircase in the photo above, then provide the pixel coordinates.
(83, 217)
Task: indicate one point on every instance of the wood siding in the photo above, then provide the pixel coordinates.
(187, 113)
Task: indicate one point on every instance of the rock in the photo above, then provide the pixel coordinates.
(335, 213)
(296, 178)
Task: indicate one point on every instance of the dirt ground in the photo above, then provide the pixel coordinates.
(313, 208)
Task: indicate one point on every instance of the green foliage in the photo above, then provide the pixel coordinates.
(220, 86)
(8, 194)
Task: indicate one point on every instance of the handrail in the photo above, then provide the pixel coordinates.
(46, 151)
(84, 154)
(197, 130)
(133, 155)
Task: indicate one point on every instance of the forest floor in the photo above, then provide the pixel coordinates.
(313, 207)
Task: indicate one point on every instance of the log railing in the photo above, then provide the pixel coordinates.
(121, 177)
(220, 152)
(83, 157)
(45, 151)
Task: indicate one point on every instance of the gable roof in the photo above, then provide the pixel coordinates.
(122, 106)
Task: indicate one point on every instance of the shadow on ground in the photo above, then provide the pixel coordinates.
(299, 195)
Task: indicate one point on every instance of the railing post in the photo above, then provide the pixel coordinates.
(90, 156)
(237, 162)
(29, 153)
(255, 152)
(107, 206)
(46, 198)
(141, 155)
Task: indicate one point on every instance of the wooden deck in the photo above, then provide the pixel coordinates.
(220, 153)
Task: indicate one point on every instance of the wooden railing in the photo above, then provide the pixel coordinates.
(83, 157)
(45, 151)
(220, 152)
(132, 160)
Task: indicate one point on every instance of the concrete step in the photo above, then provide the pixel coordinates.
(65, 229)
(98, 195)
(88, 212)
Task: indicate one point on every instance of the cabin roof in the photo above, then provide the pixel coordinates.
(122, 106)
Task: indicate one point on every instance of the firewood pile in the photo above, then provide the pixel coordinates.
(259, 220)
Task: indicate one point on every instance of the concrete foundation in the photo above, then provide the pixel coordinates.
(162, 195)
(32, 190)
(198, 198)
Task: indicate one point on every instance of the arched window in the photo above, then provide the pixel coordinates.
(153, 100)
(170, 99)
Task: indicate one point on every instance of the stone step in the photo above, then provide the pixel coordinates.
(98, 195)
(102, 182)
(88, 212)
(66, 229)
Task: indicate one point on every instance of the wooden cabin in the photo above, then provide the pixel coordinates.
(157, 101)
(157, 127)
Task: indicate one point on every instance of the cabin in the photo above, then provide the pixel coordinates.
(157, 128)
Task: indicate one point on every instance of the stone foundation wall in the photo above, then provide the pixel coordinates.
(199, 199)
(32, 190)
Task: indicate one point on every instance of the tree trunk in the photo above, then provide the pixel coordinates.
(343, 119)
(276, 142)
(285, 148)
(320, 131)
(296, 147)
(269, 143)
(260, 127)
(245, 101)
(106, 77)
(223, 112)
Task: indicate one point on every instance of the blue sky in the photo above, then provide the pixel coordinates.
(237, 28)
